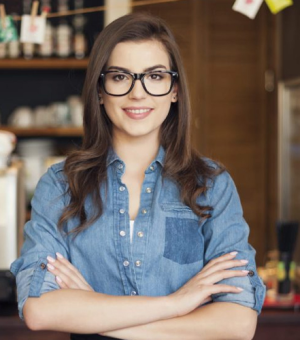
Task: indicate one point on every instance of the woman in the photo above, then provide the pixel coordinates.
(139, 233)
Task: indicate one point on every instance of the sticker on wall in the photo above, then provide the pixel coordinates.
(8, 31)
(247, 7)
(33, 31)
(278, 5)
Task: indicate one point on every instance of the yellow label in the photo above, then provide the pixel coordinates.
(281, 271)
(292, 271)
(278, 5)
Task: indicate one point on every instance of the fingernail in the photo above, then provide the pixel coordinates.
(244, 261)
(50, 266)
(50, 259)
(59, 255)
(58, 279)
(245, 271)
(239, 288)
(233, 253)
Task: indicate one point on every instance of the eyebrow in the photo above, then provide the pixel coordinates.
(148, 69)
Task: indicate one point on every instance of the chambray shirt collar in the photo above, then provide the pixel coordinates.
(112, 157)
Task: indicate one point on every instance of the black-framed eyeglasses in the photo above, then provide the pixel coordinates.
(155, 83)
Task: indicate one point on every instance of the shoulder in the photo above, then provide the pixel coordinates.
(58, 167)
(54, 179)
(217, 173)
(220, 181)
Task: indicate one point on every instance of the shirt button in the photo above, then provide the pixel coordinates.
(120, 166)
(122, 233)
(125, 263)
(122, 211)
(152, 167)
(251, 273)
(42, 266)
(144, 211)
(140, 234)
(133, 292)
(138, 263)
(122, 188)
(148, 190)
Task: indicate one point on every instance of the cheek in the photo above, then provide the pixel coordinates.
(111, 107)
(164, 108)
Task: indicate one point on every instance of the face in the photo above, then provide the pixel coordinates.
(137, 113)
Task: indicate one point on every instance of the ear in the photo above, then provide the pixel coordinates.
(174, 98)
(100, 98)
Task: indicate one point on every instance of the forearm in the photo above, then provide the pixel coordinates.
(216, 321)
(78, 311)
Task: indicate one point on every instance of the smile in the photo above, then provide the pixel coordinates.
(139, 111)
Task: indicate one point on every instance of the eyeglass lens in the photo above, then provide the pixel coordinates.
(156, 83)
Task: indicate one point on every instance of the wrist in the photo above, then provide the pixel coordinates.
(169, 306)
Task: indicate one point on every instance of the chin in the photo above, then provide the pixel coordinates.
(138, 133)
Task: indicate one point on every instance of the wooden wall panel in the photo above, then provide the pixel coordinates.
(226, 56)
(235, 110)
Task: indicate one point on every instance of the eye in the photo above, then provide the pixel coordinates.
(156, 76)
(119, 77)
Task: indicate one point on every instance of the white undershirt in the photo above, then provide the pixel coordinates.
(131, 229)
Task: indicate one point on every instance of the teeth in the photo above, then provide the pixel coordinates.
(138, 111)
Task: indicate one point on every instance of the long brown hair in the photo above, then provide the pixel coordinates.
(86, 168)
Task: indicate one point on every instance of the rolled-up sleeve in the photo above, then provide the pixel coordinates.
(226, 231)
(41, 238)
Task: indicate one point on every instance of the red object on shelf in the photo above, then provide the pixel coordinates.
(271, 303)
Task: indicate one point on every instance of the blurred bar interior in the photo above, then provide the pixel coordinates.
(244, 79)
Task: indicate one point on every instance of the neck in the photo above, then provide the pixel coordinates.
(136, 152)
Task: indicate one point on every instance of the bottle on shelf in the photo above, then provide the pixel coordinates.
(79, 40)
(13, 49)
(79, 37)
(27, 48)
(2, 50)
(46, 49)
(63, 33)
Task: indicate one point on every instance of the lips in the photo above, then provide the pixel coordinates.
(137, 112)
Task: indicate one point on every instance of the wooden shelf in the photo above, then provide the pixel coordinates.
(51, 132)
(50, 63)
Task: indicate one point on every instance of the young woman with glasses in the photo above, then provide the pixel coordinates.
(136, 236)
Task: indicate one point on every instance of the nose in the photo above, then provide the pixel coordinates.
(138, 91)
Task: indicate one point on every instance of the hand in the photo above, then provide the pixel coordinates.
(66, 275)
(198, 290)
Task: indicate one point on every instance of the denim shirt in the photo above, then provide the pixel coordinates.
(170, 245)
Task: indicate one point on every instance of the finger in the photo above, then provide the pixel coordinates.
(60, 282)
(222, 266)
(221, 288)
(223, 274)
(69, 265)
(68, 277)
(208, 299)
(222, 258)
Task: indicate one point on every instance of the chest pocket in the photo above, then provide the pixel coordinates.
(183, 241)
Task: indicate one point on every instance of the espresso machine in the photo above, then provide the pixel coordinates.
(12, 215)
